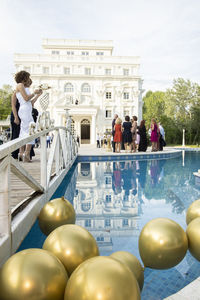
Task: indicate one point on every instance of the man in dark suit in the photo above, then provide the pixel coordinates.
(113, 130)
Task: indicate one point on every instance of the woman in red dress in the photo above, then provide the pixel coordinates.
(118, 134)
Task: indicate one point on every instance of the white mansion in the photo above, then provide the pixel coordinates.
(86, 79)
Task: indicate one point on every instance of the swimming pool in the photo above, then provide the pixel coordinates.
(114, 200)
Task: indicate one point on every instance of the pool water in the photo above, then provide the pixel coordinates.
(114, 200)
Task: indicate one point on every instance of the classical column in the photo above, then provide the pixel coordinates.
(183, 143)
(93, 130)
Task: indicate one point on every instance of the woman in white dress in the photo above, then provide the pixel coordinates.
(26, 100)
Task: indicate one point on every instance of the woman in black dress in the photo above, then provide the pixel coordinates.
(143, 137)
(127, 135)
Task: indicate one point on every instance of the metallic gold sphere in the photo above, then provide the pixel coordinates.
(193, 234)
(55, 213)
(102, 278)
(162, 244)
(193, 211)
(33, 274)
(72, 244)
(132, 263)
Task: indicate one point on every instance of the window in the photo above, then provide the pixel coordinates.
(108, 95)
(108, 113)
(46, 70)
(55, 52)
(88, 223)
(126, 95)
(68, 88)
(85, 88)
(108, 198)
(27, 69)
(126, 112)
(66, 71)
(126, 72)
(100, 239)
(84, 53)
(99, 53)
(125, 222)
(87, 71)
(107, 223)
(70, 52)
(108, 71)
(85, 206)
(108, 180)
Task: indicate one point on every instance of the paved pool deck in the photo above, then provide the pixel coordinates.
(191, 291)
(92, 150)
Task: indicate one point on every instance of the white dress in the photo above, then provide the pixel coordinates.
(25, 114)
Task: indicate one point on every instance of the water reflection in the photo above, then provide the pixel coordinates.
(115, 199)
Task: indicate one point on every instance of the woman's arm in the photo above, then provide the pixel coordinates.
(20, 88)
(13, 104)
(35, 98)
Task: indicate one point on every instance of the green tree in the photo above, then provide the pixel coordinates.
(181, 104)
(154, 106)
(5, 101)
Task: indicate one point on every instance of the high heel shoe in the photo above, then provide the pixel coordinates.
(26, 157)
(20, 156)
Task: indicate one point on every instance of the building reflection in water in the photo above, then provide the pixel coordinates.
(109, 197)
(107, 201)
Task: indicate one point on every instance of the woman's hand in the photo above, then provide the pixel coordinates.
(16, 120)
(38, 92)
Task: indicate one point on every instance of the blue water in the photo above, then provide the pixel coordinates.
(114, 200)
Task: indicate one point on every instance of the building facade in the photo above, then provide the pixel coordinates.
(87, 80)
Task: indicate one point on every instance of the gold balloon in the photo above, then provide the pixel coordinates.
(72, 244)
(162, 244)
(193, 211)
(102, 278)
(193, 234)
(33, 274)
(55, 213)
(132, 263)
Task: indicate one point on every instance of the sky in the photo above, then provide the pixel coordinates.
(164, 33)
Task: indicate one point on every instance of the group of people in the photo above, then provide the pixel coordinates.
(23, 113)
(134, 137)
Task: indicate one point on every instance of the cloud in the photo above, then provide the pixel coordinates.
(164, 33)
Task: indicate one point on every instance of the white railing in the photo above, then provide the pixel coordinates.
(61, 156)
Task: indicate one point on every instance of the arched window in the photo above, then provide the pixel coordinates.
(85, 206)
(68, 88)
(85, 88)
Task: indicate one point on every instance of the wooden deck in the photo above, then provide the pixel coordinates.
(19, 190)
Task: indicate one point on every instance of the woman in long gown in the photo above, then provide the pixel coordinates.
(154, 135)
(143, 137)
(26, 100)
(127, 135)
(118, 134)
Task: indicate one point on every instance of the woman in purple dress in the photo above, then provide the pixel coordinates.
(154, 135)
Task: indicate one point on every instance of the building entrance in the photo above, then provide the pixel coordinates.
(85, 131)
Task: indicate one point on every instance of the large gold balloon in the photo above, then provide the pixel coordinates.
(133, 263)
(72, 244)
(33, 274)
(102, 278)
(193, 211)
(162, 244)
(55, 213)
(193, 234)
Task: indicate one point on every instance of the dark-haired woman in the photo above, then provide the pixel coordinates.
(127, 134)
(26, 100)
(143, 137)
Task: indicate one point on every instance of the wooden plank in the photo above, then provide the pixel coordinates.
(23, 175)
